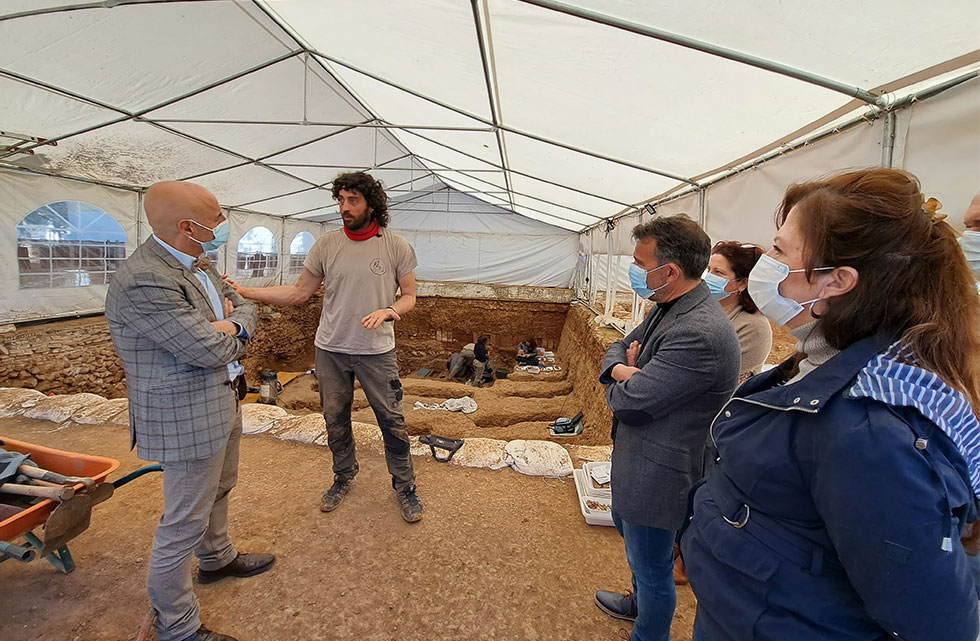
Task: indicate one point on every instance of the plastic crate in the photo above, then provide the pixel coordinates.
(590, 486)
(592, 517)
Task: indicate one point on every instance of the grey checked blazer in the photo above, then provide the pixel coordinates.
(160, 317)
(689, 369)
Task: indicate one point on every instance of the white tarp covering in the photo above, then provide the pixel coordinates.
(551, 117)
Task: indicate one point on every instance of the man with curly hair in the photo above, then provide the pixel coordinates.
(361, 266)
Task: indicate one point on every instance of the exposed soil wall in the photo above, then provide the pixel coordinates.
(583, 345)
(65, 357)
(426, 337)
(519, 407)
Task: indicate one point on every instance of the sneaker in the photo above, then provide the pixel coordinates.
(335, 495)
(411, 505)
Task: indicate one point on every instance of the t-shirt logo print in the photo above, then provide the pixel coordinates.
(378, 267)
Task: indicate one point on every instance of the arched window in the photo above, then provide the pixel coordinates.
(298, 249)
(68, 244)
(257, 255)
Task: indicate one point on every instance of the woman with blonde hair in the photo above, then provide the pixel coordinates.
(847, 476)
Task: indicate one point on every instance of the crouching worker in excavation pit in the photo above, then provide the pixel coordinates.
(361, 267)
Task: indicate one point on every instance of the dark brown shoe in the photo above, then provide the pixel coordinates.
(203, 634)
(244, 565)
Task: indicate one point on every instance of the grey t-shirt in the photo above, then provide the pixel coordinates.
(359, 277)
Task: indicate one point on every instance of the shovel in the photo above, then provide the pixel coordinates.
(72, 516)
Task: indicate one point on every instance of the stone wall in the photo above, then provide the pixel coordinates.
(64, 357)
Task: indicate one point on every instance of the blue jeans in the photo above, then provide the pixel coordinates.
(650, 553)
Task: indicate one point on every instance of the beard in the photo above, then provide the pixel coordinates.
(358, 224)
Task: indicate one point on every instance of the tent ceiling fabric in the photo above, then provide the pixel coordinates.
(518, 106)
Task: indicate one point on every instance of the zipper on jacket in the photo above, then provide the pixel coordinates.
(711, 429)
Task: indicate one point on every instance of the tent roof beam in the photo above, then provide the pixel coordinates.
(514, 171)
(490, 76)
(312, 123)
(501, 126)
(708, 48)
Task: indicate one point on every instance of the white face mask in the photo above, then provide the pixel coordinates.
(970, 242)
(764, 280)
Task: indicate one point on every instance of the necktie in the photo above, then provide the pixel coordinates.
(203, 263)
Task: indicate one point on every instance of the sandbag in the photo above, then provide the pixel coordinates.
(539, 458)
(258, 417)
(100, 413)
(14, 401)
(489, 453)
(304, 429)
(60, 408)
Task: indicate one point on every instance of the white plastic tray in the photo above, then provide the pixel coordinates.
(590, 487)
(592, 517)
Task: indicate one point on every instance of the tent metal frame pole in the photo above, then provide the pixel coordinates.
(104, 4)
(315, 123)
(543, 200)
(890, 124)
(514, 171)
(127, 115)
(708, 48)
(539, 211)
(321, 187)
(702, 212)
(512, 130)
(489, 75)
(865, 118)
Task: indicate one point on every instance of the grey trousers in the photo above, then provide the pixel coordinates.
(195, 520)
(378, 374)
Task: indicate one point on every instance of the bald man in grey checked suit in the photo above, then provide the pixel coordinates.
(180, 331)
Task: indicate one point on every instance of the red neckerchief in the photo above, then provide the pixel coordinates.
(370, 231)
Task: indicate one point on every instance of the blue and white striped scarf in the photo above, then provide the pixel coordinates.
(893, 378)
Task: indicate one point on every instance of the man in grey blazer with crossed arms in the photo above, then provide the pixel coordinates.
(667, 380)
(180, 331)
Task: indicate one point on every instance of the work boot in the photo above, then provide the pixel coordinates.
(616, 605)
(411, 505)
(335, 495)
(203, 634)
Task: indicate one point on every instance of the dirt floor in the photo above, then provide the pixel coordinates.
(497, 556)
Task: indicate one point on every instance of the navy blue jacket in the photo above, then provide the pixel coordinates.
(831, 515)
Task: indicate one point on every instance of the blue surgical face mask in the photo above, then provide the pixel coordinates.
(221, 233)
(638, 281)
(764, 280)
(716, 285)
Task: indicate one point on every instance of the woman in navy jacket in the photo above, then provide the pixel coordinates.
(845, 479)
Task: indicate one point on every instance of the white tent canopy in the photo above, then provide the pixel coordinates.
(488, 121)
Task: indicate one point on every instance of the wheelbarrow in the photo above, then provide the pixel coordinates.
(62, 520)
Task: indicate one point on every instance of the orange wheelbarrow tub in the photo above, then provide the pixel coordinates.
(18, 522)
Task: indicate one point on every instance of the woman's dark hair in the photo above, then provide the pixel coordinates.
(742, 258)
(483, 339)
(369, 187)
(531, 345)
(913, 281)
